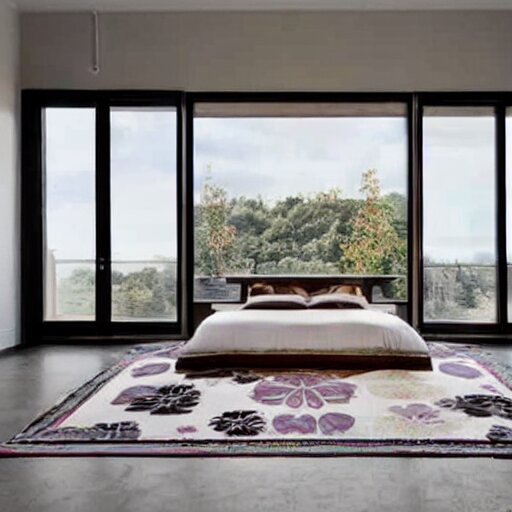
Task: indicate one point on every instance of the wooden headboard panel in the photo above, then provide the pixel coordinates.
(311, 283)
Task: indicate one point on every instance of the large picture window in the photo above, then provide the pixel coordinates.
(300, 188)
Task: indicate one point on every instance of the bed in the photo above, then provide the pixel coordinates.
(335, 331)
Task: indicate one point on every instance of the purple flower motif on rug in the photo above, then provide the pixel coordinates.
(239, 423)
(480, 405)
(173, 399)
(335, 423)
(122, 431)
(330, 423)
(460, 370)
(186, 429)
(418, 413)
(294, 390)
(290, 424)
(150, 369)
(129, 394)
(500, 434)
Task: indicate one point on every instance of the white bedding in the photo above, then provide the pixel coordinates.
(315, 330)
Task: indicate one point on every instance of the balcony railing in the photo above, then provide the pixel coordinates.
(452, 292)
(141, 289)
(463, 292)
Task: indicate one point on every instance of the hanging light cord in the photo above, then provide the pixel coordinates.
(96, 44)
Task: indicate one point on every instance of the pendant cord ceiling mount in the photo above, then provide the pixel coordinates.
(95, 68)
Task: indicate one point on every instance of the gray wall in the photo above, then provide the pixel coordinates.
(9, 189)
(370, 51)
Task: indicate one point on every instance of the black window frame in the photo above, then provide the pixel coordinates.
(34, 328)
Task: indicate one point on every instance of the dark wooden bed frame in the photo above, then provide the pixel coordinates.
(307, 361)
(313, 283)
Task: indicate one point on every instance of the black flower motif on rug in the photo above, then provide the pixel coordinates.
(246, 377)
(173, 399)
(239, 423)
(500, 434)
(480, 405)
(122, 431)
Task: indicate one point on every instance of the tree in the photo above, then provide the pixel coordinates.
(76, 293)
(467, 287)
(140, 294)
(214, 235)
(251, 218)
(373, 246)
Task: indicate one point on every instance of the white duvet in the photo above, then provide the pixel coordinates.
(321, 330)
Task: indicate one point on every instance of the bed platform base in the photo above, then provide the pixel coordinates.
(303, 362)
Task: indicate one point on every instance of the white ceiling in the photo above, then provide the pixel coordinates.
(253, 5)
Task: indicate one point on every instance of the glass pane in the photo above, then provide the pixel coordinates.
(69, 241)
(459, 245)
(144, 234)
(299, 189)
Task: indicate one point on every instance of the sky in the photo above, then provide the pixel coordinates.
(277, 157)
(143, 183)
(266, 157)
(459, 189)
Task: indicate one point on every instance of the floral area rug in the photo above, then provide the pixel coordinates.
(141, 406)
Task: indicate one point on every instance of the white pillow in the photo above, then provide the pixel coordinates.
(276, 301)
(338, 301)
(290, 301)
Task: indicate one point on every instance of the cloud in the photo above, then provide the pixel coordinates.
(143, 184)
(275, 158)
(70, 141)
(459, 189)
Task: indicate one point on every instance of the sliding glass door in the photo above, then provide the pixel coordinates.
(105, 171)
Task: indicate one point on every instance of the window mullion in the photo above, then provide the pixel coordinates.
(501, 222)
(103, 235)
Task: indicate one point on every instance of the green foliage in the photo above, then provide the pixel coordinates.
(305, 234)
(148, 293)
(374, 246)
(267, 237)
(459, 291)
(76, 293)
(140, 294)
(214, 235)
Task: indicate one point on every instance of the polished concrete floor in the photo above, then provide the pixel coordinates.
(31, 380)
